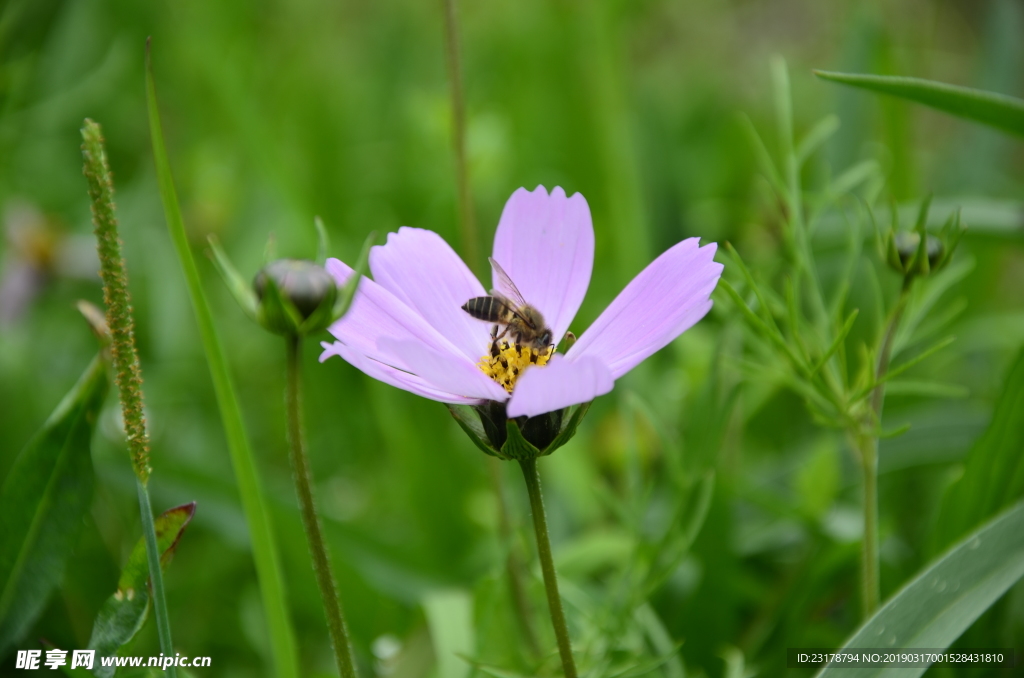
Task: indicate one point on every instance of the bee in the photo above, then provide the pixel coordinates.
(506, 307)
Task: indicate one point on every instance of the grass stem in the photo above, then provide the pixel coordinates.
(470, 238)
(156, 576)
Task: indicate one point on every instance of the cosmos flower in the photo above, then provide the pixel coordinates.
(407, 327)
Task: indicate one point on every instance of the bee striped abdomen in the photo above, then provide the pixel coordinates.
(486, 308)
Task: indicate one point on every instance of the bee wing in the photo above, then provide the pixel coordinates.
(505, 288)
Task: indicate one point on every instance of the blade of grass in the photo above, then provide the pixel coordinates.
(989, 108)
(944, 599)
(268, 568)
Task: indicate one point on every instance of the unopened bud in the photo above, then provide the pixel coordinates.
(909, 255)
(294, 296)
(907, 244)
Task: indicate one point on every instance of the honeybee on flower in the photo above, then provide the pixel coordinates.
(417, 324)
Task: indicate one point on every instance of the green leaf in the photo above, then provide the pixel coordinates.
(993, 475)
(989, 108)
(819, 134)
(124, 613)
(44, 498)
(940, 603)
(923, 387)
(450, 617)
(170, 525)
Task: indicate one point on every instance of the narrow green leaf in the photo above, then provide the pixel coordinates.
(44, 498)
(764, 158)
(661, 640)
(993, 475)
(348, 292)
(838, 341)
(772, 334)
(819, 134)
(940, 603)
(853, 177)
(903, 367)
(323, 242)
(450, 618)
(921, 387)
(734, 663)
(124, 613)
(989, 108)
(268, 568)
(117, 622)
(240, 288)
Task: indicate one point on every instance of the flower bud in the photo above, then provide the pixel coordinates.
(907, 245)
(917, 252)
(295, 296)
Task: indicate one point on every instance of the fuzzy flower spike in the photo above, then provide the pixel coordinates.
(512, 393)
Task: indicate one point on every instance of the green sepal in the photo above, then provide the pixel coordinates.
(516, 446)
(468, 420)
(237, 285)
(348, 292)
(569, 427)
(276, 312)
(124, 613)
(323, 242)
(921, 262)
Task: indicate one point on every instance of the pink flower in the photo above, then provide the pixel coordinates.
(406, 327)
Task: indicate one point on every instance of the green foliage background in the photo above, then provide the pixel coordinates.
(278, 111)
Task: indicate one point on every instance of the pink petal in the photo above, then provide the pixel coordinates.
(390, 375)
(658, 305)
(559, 384)
(422, 270)
(453, 374)
(546, 245)
(375, 315)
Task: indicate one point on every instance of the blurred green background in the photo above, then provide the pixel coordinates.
(276, 111)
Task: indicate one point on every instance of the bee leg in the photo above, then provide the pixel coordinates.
(499, 336)
(494, 342)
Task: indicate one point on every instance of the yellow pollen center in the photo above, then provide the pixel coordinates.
(506, 362)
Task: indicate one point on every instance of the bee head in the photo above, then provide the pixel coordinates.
(545, 338)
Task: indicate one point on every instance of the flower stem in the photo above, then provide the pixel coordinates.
(540, 526)
(310, 520)
(470, 247)
(867, 444)
(870, 594)
(513, 564)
